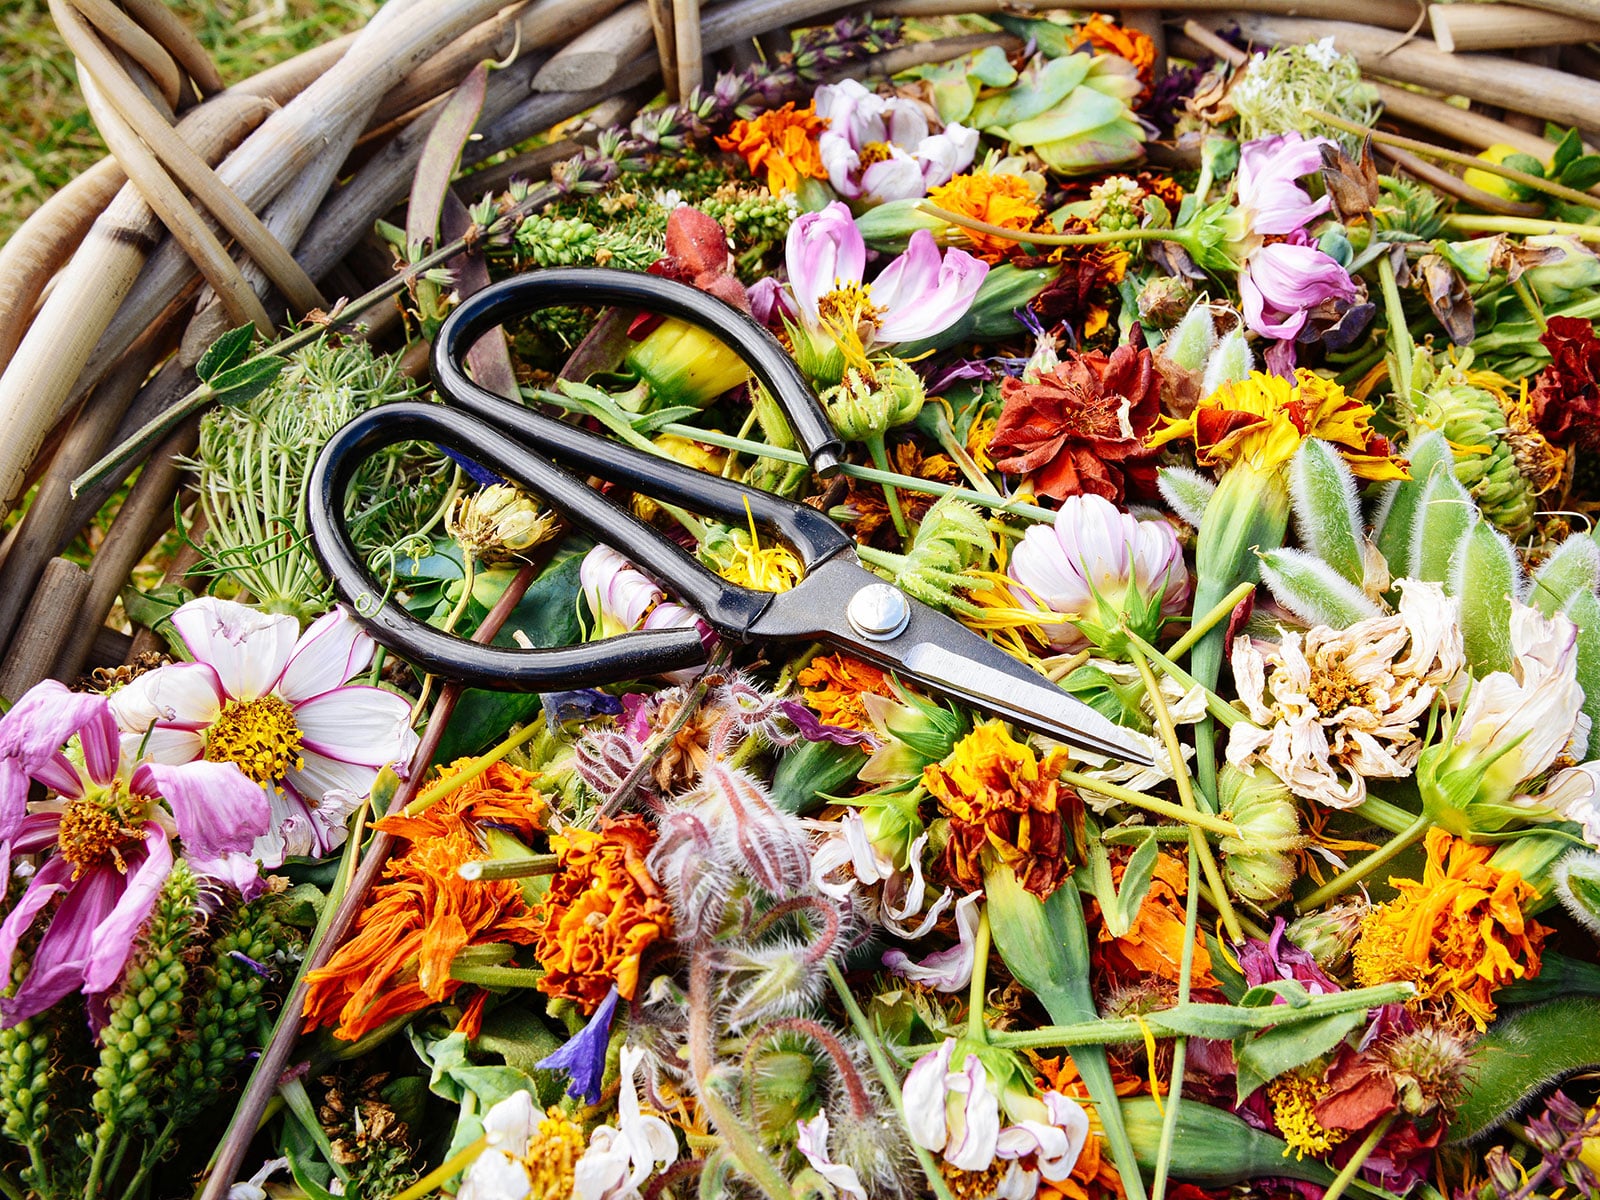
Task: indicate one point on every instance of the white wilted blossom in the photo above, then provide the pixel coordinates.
(1336, 707)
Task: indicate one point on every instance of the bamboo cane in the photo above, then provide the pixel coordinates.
(1386, 14)
(53, 620)
(1458, 28)
(162, 24)
(123, 32)
(598, 55)
(687, 48)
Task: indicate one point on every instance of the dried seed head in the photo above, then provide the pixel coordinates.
(498, 523)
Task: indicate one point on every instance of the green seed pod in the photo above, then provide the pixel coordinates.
(1258, 865)
(1329, 934)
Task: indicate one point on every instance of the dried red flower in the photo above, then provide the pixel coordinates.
(1566, 393)
(1080, 429)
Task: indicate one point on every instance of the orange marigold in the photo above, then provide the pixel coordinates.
(1130, 44)
(602, 912)
(835, 684)
(1153, 944)
(783, 142)
(422, 914)
(1000, 797)
(1458, 933)
(1004, 200)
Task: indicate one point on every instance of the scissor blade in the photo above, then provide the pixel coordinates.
(946, 656)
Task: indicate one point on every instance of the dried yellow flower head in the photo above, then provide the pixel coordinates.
(499, 522)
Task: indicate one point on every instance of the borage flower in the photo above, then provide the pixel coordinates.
(603, 911)
(879, 148)
(783, 143)
(1080, 428)
(1098, 567)
(111, 839)
(274, 702)
(843, 318)
(1458, 933)
(422, 914)
(1002, 799)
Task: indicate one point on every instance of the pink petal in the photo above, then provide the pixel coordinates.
(365, 725)
(248, 648)
(113, 938)
(47, 883)
(333, 650)
(913, 311)
(898, 177)
(218, 809)
(944, 970)
(824, 249)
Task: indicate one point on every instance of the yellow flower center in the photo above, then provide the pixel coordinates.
(875, 152)
(258, 736)
(94, 830)
(1333, 689)
(1294, 1099)
(553, 1155)
(973, 1185)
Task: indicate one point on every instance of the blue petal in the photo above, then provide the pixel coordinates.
(480, 475)
(583, 1058)
(581, 705)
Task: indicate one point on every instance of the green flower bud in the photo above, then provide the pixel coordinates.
(683, 364)
(1165, 300)
(1258, 865)
(1329, 934)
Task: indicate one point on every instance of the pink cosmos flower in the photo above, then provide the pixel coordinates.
(274, 702)
(1097, 564)
(879, 148)
(919, 294)
(1283, 281)
(111, 838)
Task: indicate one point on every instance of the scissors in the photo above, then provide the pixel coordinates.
(839, 602)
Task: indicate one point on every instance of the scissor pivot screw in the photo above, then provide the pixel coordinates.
(879, 612)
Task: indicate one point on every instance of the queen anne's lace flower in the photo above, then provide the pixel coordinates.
(1337, 707)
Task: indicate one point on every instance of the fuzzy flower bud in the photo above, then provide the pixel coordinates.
(500, 522)
(1165, 299)
(1329, 934)
(1258, 865)
(1098, 567)
(1429, 1066)
(866, 406)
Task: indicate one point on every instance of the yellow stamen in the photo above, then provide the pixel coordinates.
(259, 736)
(1294, 1099)
(553, 1154)
(94, 829)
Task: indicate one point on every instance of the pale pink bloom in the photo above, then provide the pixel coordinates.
(944, 970)
(954, 1112)
(1268, 187)
(906, 158)
(1096, 564)
(1574, 795)
(811, 1139)
(623, 598)
(1281, 284)
(1055, 1142)
(275, 702)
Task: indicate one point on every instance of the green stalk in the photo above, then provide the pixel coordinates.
(485, 869)
(1196, 818)
(10, 1188)
(495, 977)
(977, 1031)
(1390, 850)
(880, 457)
(1180, 1046)
(1219, 613)
(1347, 1175)
(1219, 708)
(1099, 238)
(446, 1171)
(1530, 302)
(1385, 815)
(1471, 223)
(886, 1074)
(1405, 350)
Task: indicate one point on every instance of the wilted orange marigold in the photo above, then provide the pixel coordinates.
(602, 912)
(1000, 797)
(1130, 44)
(1458, 933)
(1004, 200)
(782, 142)
(422, 914)
(834, 686)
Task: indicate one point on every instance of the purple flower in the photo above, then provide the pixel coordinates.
(1268, 189)
(111, 837)
(877, 149)
(1278, 958)
(1282, 282)
(273, 701)
(919, 294)
(583, 1058)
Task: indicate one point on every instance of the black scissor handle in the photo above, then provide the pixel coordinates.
(524, 294)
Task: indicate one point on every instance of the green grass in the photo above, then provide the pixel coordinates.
(46, 137)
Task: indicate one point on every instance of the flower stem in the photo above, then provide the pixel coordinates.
(1385, 815)
(1165, 808)
(1471, 223)
(1215, 704)
(495, 977)
(478, 766)
(485, 869)
(1201, 626)
(1405, 350)
(445, 1171)
(1392, 849)
(1347, 1174)
(91, 1185)
(1099, 238)
(1180, 1046)
(977, 1031)
(1199, 847)
(1530, 302)
(880, 458)
(886, 1076)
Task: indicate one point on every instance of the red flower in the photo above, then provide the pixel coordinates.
(1566, 394)
(1081, 428)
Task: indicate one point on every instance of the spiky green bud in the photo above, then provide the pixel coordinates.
(1485, 461)
(1258, 864)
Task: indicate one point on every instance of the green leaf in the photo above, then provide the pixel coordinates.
(1569, 148)
(522, 1038)
(1268, 1054)
(1187, 491)
(1327, 514)
(1313, 591)
(1558, 976)
(1484, 579)
(246, 381)
(1573, 568)
(1036, 91)
(154, 609)
(1582, 173)
(1402, 502)
(1444, 517)
(1053, 40)
(1045, 946)
(226, 352)
(1136, 874)
(1081, 112)
(1521, 1054)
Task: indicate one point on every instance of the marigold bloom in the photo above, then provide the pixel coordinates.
(1458, 934)
(602, 912)
(1094, 1176)
(1127, 43)
(1294, 1102)
(999, 796)
(1153, 945)
(834, 686)
(1261, 421)
(423, 914)
(1004, 200)
(783, 142)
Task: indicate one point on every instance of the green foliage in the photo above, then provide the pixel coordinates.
(1522, 1053)
(1401, 504)
(1485, 578)
(1327, 513)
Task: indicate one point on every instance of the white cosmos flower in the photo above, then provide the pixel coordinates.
(273, 701)
(811, 1139)
(621, 1158)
